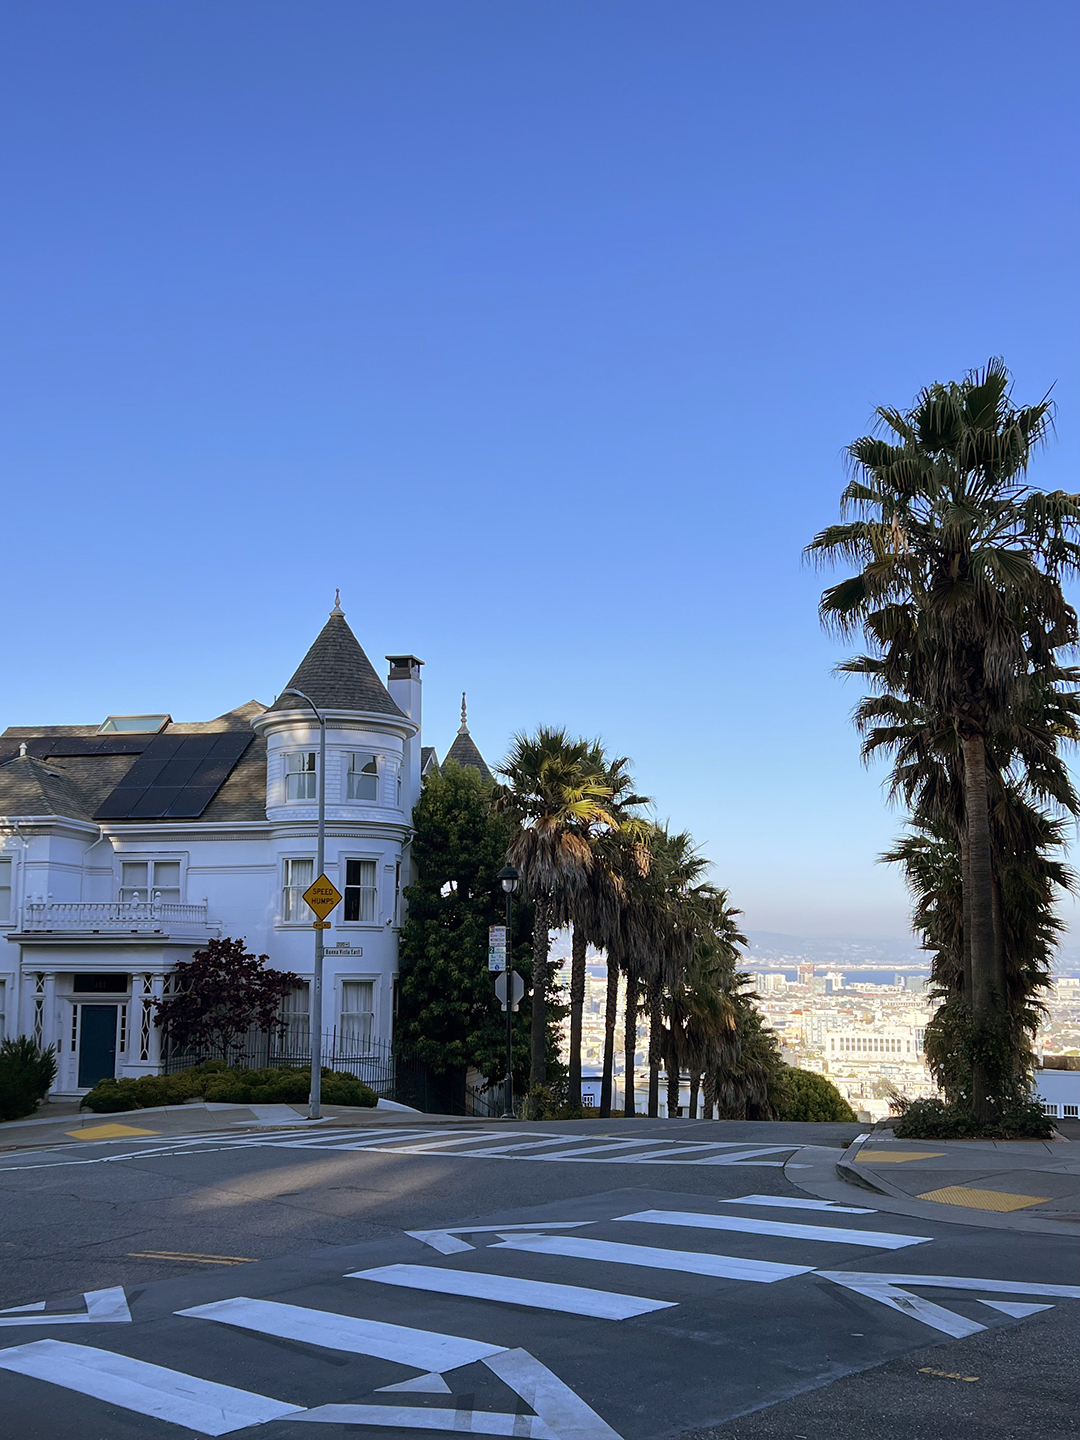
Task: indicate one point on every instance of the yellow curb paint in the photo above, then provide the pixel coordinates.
(109, 1132)
(192, 1259)
(982, 1199)
(876, 1157)
(947, 1374)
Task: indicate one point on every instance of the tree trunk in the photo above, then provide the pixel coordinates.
(577, 1006)
(710, 1094)
(630, 1044)
(538, 1036)
(695, 1081)
(656, 1027)
(610, 1007)
(965, 881)
(981, 871)
(1000, 984)
(672, 1079)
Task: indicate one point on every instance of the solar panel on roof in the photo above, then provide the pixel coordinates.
(176, 776)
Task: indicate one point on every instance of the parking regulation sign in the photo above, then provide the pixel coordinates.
(497, 947)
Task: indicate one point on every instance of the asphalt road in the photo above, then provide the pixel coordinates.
(637, 1281)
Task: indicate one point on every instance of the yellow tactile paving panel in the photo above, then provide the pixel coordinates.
(109, 1132)
(982, 1199)
(876, 1157)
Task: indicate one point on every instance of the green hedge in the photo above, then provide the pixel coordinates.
(25, 1076)
(214, 1080)
(934, 1120)
(806, 1095)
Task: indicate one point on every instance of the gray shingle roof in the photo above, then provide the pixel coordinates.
(28, 787)
(337, 675)
(463, 752)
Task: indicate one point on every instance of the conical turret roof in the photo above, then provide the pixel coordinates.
(463, 751)
(337, 675)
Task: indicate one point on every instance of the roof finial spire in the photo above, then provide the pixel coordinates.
(337, 610)
(464, 723)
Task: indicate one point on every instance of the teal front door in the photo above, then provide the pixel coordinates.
(97, 1043)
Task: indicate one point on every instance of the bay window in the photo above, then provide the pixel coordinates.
(360, 890)
(295, 1014)
(301, 777)
(363, 777)
(357, 1013)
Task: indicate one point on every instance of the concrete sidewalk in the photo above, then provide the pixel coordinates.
(971, 1178)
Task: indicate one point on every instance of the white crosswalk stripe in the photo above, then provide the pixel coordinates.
(510, 1290)
(201, 1405)
(876, 1239)
(686, 1262)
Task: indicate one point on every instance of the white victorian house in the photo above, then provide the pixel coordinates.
(127, 844)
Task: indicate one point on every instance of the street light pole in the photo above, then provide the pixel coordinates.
(315, 1015)
(509, 877)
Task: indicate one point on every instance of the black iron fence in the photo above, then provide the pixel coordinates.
(392, 1071)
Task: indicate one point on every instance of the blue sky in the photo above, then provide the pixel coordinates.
(539, 329)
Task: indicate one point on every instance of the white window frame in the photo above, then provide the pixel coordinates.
(342, 981)
(370, 757)
(343, 872)
(308, 772)
(7, 866)
(170, 894)
(3, 1008)
(293, 909)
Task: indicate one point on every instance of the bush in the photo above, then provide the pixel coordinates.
(215, 1081)
(934, 1120)
(805, 1095)
(25, 1076)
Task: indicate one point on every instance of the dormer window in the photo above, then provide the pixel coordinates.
(300, 775)
(363, 777)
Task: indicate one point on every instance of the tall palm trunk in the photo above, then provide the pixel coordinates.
(656, 1038)
(981, 872)
(538, 1036)
(611, 1005)
(710, 1093)
(673, 1069)
(695, 1081)
(630, 1044)
(577, 1006)
(965, 882)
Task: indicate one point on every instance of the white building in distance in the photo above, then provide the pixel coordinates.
(127, 844)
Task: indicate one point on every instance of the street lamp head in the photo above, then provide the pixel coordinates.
(509, 877)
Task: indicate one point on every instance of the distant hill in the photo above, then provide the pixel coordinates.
(768, 947)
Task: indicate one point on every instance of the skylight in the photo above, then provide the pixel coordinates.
(134, 724)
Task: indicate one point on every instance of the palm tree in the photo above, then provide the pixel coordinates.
(1025, 775)
(960, 594)
(556, 797)
(702, 1016)
(626, 860)
(594, 907)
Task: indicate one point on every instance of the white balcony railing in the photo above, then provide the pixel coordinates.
(115, 917)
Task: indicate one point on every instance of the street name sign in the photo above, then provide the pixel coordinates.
(321, 896)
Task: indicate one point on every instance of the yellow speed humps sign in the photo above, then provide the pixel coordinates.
(321, 896)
